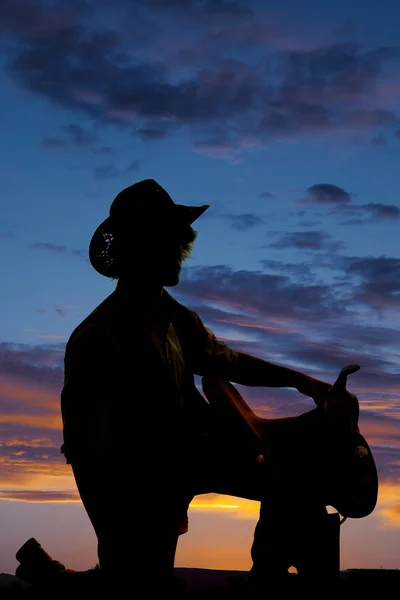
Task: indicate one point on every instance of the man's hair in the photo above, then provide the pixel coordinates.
(187, 237)
(187, 242)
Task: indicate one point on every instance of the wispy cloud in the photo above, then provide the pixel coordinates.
(59, 249)
(134, 167)
(60, 311)
(244, 222)
(158, 83)
(75, 138)
(39, 496)
(306, 240)
(266, 195)
(107, 171)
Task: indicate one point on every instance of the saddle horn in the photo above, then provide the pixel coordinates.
(341, 381)
(342, 407)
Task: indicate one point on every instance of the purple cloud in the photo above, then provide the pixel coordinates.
(156, 83)
(382, 211)
(373, 212)
(286, 316)
(380, 286)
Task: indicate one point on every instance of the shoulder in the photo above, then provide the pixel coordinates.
(180, 313)
(94, 329)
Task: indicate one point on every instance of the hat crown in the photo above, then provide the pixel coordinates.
(144, 196)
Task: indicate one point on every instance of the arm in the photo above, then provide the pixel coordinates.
(86, 394)
(216, 358)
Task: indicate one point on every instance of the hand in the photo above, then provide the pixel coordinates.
(315, 389)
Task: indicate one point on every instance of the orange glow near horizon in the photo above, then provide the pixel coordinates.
(33, 473)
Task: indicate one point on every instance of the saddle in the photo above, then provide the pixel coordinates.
(350, 466)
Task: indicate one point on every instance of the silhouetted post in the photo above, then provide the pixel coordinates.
(319, 559)
(333, 543)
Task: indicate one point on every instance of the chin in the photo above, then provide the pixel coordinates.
(172, 278)
(171, 281)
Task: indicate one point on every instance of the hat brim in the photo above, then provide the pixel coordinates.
(190, 213)
(100, 256)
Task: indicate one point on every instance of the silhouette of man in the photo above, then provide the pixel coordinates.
(135, 427)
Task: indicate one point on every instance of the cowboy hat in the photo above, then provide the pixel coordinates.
(145, 200)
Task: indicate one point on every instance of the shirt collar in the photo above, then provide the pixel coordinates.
(132, 298)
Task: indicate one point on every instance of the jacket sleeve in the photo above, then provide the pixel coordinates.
(213, 357)
(86, 393)
(210, 355)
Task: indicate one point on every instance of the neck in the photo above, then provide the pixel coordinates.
(150, 292)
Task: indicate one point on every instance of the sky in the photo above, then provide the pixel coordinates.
(284, 116)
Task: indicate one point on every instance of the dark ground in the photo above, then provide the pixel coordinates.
(208, 584)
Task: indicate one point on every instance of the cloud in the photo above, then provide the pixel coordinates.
(300, 271)
(134, 167)
(341, 202)
(39, 496)
(32, 19)
(43, 364)
(31, 379)
(266, 195)
(59, 249)
(244, 222)
(286, 316)
(294, 298)
(60, 311)
(373, 212)
(327, 193)
(263, 314)
(255, 291)
(389, 506)
(182, 78)
(76, 138)
(54, 248)
(380, 282)
(306, 240)
(152, 135)
(108, 171)
(193, 10)
(223, 8)
(6, 235)
(379, 140)
(381, 211)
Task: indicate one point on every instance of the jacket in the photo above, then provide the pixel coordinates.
(126, 386)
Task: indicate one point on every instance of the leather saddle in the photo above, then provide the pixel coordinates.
(349, 467)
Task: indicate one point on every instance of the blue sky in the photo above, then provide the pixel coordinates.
(284, 117)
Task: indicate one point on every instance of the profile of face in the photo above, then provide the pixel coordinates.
(159, 256)
(176, 243)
